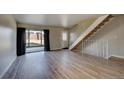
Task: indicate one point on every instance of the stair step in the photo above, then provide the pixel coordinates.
(91, 31)
(98, 27)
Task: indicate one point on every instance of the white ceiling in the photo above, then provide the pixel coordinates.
(63, 20)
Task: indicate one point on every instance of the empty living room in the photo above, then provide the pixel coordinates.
(61, 46)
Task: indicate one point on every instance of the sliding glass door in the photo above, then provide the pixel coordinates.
(34, 38)
(34, 41)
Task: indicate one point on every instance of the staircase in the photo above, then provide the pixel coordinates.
(98, 24)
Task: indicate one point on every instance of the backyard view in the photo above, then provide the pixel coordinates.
(34, 41)
(34, 38)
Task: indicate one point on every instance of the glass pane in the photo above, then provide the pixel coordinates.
(27, 38)
(34, 38)
(42, 34)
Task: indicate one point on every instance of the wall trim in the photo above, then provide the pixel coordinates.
(120, 57)
(56, 49)
(7, 68)
(116, 57)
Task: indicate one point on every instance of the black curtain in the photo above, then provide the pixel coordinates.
(46, 40)
(21, 41)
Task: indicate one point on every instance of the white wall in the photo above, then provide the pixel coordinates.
(58, 39)
(109, 40)
(56, 35)
(77, 30)
(7, 42)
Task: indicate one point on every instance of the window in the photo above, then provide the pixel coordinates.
(64, 36)
(34, 38)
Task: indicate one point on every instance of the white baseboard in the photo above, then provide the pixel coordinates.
(55, 49)
(7, 68)
(122, 57)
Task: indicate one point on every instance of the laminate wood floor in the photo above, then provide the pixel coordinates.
(64, 64)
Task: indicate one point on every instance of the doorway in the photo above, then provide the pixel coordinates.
(34, 41)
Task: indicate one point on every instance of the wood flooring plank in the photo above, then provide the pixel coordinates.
(64, 64)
